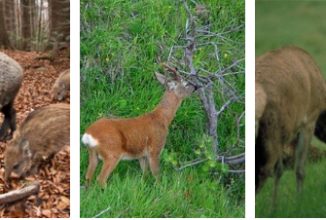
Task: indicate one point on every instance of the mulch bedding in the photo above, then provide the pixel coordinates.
(53, 198)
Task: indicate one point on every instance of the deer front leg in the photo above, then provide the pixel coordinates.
(154, 164)
(93, 161)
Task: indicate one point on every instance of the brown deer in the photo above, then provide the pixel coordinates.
(141, 138)
(290, 96)
(11, 78)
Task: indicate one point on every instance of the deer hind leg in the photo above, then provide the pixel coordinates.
(278, 172)
(304, 138)
(143, 164)
(110, 162)
(93, 161)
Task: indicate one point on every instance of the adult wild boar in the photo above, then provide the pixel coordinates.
(11, 78)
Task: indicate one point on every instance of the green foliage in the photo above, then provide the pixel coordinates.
(122, 43)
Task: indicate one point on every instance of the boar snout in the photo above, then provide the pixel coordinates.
(17, 159)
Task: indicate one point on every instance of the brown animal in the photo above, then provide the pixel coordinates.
(11, 78)
(290, 96)
(61, 86)
(141, 138)
(44, 132)
(314, 154)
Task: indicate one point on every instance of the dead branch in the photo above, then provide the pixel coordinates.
(191, 164)
(20, 193)
(205, 82)
(238, 159)
(102, 212)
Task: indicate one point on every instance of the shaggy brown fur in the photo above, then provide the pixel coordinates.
(61, 86)
(314, 154)
(43, 133)
(11, 78)
(294, 97)
(141, 138)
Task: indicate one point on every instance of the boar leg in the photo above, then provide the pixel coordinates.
(34, 167)
(302, 147)
(10, 120)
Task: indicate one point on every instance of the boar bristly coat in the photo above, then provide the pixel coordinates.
(61, 86)
(43, 133)
(11, 78)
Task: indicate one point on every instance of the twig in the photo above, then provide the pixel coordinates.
(20, 193)
(191, 164)
(224, 107)
(102, 212)
(238, 159)
(237, 171)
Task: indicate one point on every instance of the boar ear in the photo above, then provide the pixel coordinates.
(26, 149)
(16, 134)
(62, 85)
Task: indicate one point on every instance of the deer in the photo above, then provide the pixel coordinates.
(11, 78)
(141, 137)
(290, 97)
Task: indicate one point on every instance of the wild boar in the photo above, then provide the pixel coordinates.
(44, 132)
(11, 78)
(61, 86)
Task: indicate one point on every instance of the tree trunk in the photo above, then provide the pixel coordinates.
(4, 38)
(26, 25)
(60, 23)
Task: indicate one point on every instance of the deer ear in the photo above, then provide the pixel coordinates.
(162, 79)
(26, 149)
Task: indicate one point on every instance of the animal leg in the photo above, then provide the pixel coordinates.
(143, 164)
(108, 166)
(10, 120)
(304, 139)
(154, 163)
(266, 156)
(34, 167)
(278, 174)
(93, 161)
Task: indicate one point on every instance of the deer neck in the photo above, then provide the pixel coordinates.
(167, 108)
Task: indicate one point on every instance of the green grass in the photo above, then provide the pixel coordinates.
(122, 43)
(310, 204)
(179, 194)
(299, 23)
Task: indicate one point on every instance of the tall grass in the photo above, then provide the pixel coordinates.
(122, 43)
(289, 205)
(300, 23)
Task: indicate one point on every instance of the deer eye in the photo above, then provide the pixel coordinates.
(16, 166)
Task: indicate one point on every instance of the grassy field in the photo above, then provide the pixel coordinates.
(310, 204)
(300, 23)
(122, 43)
